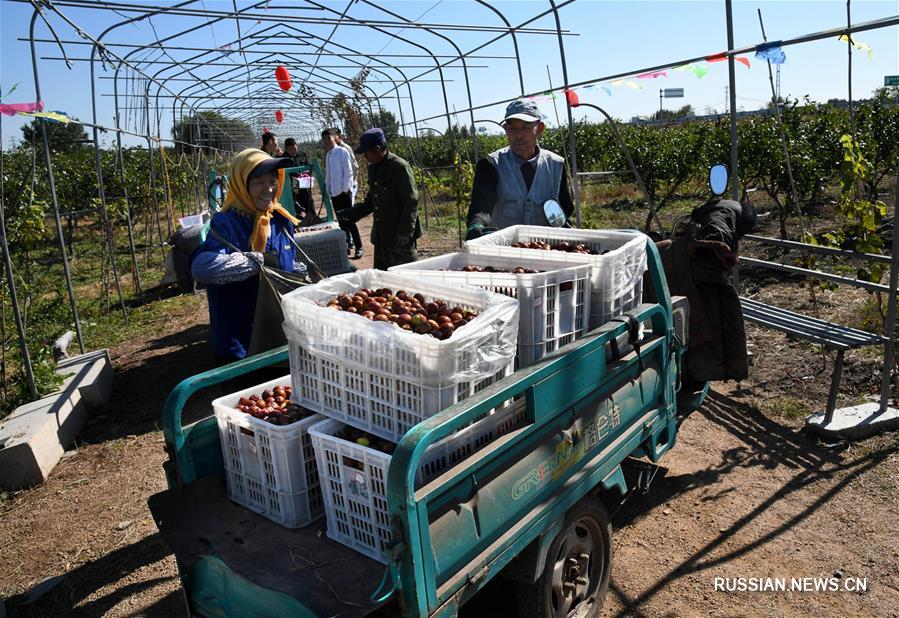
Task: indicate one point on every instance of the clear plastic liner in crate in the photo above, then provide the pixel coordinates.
(553, 298)
(380, 378)
(617, 276)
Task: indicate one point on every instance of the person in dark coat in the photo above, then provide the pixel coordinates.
(697, 262)
(302, 198)
(393, 198)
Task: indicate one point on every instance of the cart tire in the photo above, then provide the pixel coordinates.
(575, 579)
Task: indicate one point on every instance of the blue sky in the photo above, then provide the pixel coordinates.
(611, 37)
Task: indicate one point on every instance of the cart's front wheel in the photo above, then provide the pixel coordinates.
(575, 579)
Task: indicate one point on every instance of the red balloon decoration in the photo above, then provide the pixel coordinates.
(283, 78)
(279, 116)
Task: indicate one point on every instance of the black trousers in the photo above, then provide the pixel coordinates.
(342, 202)
(385, 257)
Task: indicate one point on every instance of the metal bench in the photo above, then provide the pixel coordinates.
(831, 336)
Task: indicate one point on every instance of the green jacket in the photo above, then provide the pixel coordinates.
(393, 198)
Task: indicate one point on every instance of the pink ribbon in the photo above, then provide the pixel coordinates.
(10, 109)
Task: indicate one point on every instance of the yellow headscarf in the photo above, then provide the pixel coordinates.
(238, 197)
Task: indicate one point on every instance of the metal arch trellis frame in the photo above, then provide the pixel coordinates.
(517, 58)
(180, 10)
(347, 56)
(430, 54)
(51, 180)
(98, 46)
(514, 41)
(13, 296)
(474, 136)
(183, 92)
(53, 200)
(316, 72)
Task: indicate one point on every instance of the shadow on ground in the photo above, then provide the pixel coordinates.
(140, 389)
(68, 597)
(763, 444)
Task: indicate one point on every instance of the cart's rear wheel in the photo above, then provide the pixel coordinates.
(575, 579)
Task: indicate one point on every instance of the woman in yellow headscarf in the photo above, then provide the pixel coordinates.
(252, 222)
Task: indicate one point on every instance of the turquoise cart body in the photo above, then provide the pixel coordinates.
(591, 408)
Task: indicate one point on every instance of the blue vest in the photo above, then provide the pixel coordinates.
(515, 203)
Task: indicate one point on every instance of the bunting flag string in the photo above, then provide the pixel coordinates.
(857, 45)
(10, 109)
(699, 70)
(723, 56)
(630, 84)
(11, 90)
(774, 55)
(54, 117)
(772, 52)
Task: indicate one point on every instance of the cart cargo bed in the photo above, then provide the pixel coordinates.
(200, 524)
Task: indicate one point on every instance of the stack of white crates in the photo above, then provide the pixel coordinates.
(554, 303)
(616, 273)
(354, 477)
(384, 380)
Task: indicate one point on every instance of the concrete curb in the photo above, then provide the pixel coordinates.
(34, 437)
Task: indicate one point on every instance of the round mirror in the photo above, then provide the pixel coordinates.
(554, 214)
(718, 179)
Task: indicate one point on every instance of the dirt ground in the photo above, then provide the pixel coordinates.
(746, 493)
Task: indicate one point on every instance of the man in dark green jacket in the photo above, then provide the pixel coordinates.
(393, 198)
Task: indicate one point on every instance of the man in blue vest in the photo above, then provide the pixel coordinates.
(511, 184)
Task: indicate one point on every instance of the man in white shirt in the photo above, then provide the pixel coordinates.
(339, 182)
(336, 131)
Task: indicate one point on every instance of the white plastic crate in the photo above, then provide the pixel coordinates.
(553, 304)
(617, 276)
(356, 499)
(327, 248)
(380, 378)
(270, 468)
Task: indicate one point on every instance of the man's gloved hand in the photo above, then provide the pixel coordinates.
(475, 230)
